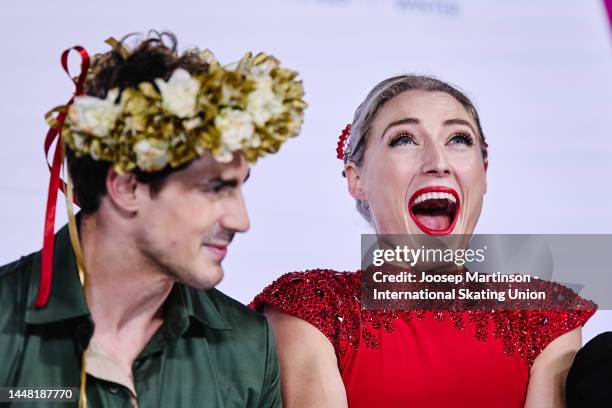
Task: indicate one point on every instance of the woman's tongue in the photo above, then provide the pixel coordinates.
(434, 221)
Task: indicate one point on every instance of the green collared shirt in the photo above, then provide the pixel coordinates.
(211, 351)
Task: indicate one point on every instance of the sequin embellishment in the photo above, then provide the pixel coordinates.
(330, 301)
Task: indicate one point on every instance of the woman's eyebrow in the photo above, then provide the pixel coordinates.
(415, 121)
(458, 121)
(404, 121)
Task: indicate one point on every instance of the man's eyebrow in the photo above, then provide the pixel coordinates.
(404, 121)
(457, 121)
(221, 182)
(231, 182)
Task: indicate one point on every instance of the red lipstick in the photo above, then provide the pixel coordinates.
(425, 206)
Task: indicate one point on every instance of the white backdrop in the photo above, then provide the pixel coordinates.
(539, 72)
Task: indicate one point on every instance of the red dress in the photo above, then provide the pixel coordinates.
(416, 358)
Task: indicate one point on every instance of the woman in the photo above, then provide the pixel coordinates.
(411, 137)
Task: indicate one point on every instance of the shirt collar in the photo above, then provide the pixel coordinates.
(199, 305)
(66, 300)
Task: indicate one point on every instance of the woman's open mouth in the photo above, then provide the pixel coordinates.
(435, 209)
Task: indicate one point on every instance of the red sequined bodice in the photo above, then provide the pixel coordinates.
(398, 358)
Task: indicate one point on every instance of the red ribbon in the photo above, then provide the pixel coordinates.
(55, 183)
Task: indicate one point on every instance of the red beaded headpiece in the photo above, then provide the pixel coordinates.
(342, 141)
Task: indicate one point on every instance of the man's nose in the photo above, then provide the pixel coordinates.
(236, 217)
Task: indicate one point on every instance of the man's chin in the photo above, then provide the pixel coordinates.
(205, 279)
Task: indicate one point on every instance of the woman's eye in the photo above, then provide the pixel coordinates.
(402, 139)
(461, 138)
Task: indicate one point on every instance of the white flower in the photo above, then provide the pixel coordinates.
(263, 103)
(94, 116)
(235, 127)
(179, 94)
(151, 154)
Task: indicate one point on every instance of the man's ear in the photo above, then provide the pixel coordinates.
(354, 180)
(122, 190)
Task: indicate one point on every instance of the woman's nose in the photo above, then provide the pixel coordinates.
(435, 162)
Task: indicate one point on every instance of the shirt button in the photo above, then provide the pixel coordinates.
(114, 390)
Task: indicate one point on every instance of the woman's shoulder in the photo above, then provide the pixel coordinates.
(327, 299)
(555, 307)
(530, 326)
(311, 287)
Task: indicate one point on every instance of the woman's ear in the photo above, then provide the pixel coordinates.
(486, 167)
(121, 189)
(354, 180)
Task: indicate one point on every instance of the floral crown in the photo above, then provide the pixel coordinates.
(254, 106)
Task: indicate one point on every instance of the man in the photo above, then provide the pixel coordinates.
(157, 152)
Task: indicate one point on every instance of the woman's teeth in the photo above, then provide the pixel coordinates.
(435, 195)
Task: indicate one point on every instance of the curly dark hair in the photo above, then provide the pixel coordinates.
(154, 57)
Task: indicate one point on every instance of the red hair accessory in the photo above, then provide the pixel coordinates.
(55, 183)
(342, 141)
